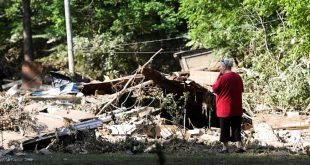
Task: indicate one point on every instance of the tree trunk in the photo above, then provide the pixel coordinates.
(69, 36)
(27, 31)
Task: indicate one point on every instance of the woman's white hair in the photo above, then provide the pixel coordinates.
(228, 63)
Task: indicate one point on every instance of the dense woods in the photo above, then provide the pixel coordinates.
(268, 39)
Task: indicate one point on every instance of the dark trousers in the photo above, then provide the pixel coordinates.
(230, 129)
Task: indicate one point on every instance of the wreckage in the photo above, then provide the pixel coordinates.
(132, 106)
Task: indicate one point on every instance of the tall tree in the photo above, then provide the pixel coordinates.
(27, 31)
(69, 36)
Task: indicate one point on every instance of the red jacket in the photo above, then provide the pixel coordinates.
(228, 89)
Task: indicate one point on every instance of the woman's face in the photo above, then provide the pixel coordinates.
(222, 68)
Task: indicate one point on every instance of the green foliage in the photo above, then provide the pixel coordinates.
(10, 20)
(288, 91)
(112, 23)
(174, 106)
(97, 56)
(100, 29)
(270, 38)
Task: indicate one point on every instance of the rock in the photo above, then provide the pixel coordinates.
(265, 135)
(72, 149)
(8, 151)
(295, 136)
(150, 149)
(28, 159)
(45, 151)
(194, 132)
(20, 154)
(83, 151)
(208, 139)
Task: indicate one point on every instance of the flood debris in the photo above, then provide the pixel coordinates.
(136, 113)
(280, 130)
(11, 84)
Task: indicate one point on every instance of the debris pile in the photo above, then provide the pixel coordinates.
(291, 130)
(135, 113)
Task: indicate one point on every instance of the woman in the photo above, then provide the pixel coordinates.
(228, 89)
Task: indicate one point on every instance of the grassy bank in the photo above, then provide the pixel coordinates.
(122, 158)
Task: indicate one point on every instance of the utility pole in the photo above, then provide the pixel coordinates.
(69, 36)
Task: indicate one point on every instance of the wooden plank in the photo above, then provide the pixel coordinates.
(49, 122)
(283, 122)
(195, 59)
(124, 129)
(172, 86)
(166, 131)
(8, 85)
(204, 78)
(196, 132)
(293, 126)
(71, 98)
(74, 115)
(7, 136)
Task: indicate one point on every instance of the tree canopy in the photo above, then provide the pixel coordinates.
(270, 37)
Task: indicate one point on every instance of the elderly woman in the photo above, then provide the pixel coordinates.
(228, 89)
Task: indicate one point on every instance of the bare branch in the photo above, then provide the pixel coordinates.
(128, 82)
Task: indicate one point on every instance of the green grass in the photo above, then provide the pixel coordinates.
(171, 158)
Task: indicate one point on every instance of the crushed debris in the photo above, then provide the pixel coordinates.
(138, 113)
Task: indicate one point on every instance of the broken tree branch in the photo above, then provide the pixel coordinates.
(120, 93)
(52, 143)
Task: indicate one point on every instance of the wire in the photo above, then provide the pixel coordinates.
(150, 41)
(165, 52)
(144, 42)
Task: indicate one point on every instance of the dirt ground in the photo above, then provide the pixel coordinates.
(171, 152)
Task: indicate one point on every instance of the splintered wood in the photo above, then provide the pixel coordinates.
(291, 131)
(284, 122)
